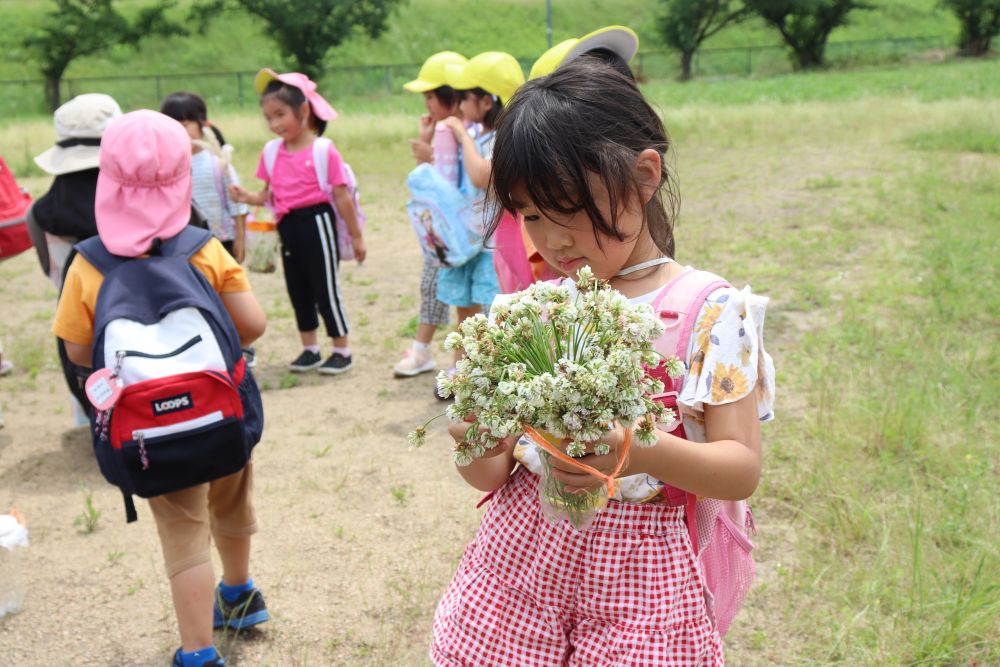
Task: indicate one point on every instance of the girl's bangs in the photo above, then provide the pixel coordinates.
(548, 175)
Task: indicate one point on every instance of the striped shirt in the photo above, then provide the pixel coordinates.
(210, 191)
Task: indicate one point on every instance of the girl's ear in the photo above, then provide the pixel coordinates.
(647, 168)
(305, 112)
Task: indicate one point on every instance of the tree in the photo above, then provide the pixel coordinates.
(805, 25)
(688, 23)
(980, 21)
(77, 28)
(306, 30)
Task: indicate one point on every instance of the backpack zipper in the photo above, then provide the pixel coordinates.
(166, 355)
(141, 437)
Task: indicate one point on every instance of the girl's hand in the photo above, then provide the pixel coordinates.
(360, 252)
(239, 248)
(426, 128)
(456, 125)
(457, 430)
(575, 479)
(238, 194)
(422, 151)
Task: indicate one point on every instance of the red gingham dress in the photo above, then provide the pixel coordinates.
(625, 592)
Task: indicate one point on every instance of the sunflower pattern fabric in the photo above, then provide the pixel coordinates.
(726, 360)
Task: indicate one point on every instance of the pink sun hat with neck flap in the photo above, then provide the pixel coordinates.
(144, 185)
(319, 105)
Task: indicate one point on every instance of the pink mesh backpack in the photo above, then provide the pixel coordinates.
(719, 529)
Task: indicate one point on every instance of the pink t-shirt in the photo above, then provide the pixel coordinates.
(293, 182)
(446, 153)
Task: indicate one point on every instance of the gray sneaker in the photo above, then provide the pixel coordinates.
(336, 364)
(306, 362)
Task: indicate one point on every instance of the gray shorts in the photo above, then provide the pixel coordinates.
(432, 311)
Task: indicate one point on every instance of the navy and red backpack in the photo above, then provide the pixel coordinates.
(189, 411)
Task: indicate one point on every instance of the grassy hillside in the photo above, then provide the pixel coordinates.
(420, 27)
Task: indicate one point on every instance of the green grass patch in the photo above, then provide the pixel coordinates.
(962, 139)
(923, 82)
(895, 466)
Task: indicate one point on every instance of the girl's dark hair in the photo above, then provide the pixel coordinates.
(490, 120)
(447, 96)
(584, 119)
(294, 98)
(609, 57)
(184, 105)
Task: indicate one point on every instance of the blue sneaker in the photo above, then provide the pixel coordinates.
(247, 611)
(217, 661)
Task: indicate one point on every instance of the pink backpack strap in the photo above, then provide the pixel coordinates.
(678, 304)
(681, 299)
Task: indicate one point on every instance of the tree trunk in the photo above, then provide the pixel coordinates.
(686, 58)
(53, 95)
(975, 41)
(809, 56)
(978, 47)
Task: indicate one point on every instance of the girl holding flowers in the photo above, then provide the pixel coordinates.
(582, 156)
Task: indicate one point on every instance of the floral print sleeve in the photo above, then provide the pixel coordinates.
(726, 357)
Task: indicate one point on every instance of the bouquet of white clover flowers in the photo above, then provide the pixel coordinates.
(563, 365)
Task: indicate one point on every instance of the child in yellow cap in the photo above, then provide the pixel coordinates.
(436, 145)
(487, 82)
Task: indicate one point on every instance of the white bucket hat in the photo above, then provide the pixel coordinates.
(79, 125)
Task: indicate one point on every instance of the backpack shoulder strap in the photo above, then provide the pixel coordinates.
(271, 155)
(681, 299)
(187, 243)
(321, 162)
(93, 251)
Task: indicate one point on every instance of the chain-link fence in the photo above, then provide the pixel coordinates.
(771, 60)
(235, 89)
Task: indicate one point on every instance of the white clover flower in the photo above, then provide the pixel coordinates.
(453, 340)
(568, 359)
(417, 437)
(675, 367)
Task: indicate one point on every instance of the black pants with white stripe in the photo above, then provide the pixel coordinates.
(309, 257)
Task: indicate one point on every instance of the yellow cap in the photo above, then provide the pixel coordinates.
(551, 59)
(432, 74)
(615, 38)
(496, 72)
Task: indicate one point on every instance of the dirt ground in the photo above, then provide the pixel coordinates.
(358, 535)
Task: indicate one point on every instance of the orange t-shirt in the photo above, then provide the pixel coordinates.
(74, 320)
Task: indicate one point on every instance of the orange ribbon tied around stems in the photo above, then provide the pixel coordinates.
(556, 451)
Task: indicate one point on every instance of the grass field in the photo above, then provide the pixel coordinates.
(421, 27)
(863, 203)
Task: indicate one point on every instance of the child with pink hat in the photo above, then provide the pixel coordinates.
(307, 204)
(144, 200)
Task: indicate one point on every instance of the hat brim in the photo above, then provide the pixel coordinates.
(129, 217)
(321, 108)
(620, 40)
(58, 160)
(264, 77)
(420, 86)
